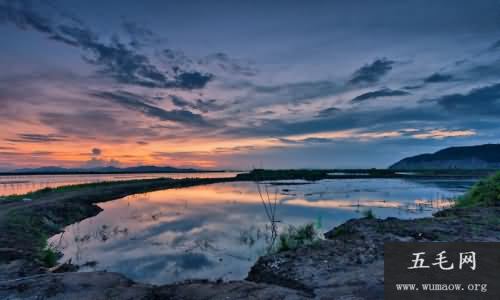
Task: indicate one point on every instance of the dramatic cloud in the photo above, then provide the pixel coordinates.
(228, 64)
(495, 45)
(139, 36)
(291, 92)
(438, 77)
(328, 112)
(343, 120)
(326, 89)
(483, 101)
(37, 138)
(95, 125)
(134, 102)
(386, 92)
(96, 152)
(441, 134)
(199, 104)
(114, 58)
(373, 72)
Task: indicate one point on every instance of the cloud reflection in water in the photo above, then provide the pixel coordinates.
(219, 230)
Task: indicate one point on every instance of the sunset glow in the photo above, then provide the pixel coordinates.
(144, 86)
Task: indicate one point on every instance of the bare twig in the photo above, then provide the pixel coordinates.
(270, 204)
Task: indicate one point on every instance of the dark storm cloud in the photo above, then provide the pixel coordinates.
(495, 46)
(127, 66)
(139, 36)
(413, 87)
(17, 12)
(199, 104)
(373, 72)
(228, 64)
(96, 152)
(115, 58)
(438, 77)
(37, 138)
(386, 92)
(294, 92)
(90, 124)
(306, 141)
(191, 80)
(485, 71)
(135, 103)
(179, 101)
(483, 101)
(301, 88)
(328, 112)
(24, 156)
(345, 120)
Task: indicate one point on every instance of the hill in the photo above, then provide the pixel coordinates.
(469, 157)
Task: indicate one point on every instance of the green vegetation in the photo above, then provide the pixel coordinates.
(296, 237)
(368, 214)
(339, 231)
(31, 234)
(49, 257)
(74, 187)
(484, 193)
(312, 175)
(261, 174)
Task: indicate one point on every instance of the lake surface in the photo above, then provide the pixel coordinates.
(219, 230)
(22, 184)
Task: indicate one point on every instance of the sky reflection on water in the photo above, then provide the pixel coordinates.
(21, 184)
(219, 230)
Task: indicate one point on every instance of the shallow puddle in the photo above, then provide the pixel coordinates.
(219, 230)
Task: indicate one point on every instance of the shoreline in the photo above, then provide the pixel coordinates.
(350, 248)
(258, 175)
(25, 226)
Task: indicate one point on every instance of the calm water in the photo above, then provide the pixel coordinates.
(219, 230)
(21, 184)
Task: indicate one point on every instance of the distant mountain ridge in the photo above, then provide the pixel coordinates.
(469, 157)
(107, 169)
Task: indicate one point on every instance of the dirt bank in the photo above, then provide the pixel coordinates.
(26, 224)
(348, 264)
(106, 286)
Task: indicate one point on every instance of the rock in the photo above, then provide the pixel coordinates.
(229, 290)
(349, 263)
(64, 267)
(81, 286)
(104, 286)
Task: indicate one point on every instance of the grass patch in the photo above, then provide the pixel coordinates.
(340, 231)
(484, 193)
(295, 237)
(75, 187)
(262, 174)
(49, 257)
(30, 231)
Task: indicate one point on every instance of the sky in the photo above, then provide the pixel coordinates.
(245, 84)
